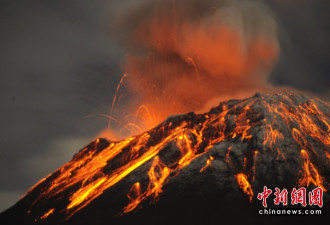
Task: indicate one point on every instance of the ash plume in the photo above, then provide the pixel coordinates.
(183, 54)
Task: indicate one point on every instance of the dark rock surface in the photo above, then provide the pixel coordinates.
(259, 139)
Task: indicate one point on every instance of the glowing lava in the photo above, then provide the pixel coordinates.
(269, 123)
(244, 184)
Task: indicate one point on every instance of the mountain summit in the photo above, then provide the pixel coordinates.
(190, 169)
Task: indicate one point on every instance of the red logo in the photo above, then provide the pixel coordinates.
(264, 195)
(316, 197)
(298, 196)
(281, 196)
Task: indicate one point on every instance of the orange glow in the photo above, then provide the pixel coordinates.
(271, 138)
(157, 176)
(208, 162)
(96, 169)
(82, 194)
(244, 184)
(243, 125)
(134, 196)
(178, 61)
(115, 98)
(254, 164)
(327, 154)
(227, 155)
(47, 214)
(309, 174)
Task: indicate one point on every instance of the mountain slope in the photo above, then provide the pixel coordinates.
(190, 169)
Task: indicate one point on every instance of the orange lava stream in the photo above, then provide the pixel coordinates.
(310, 173)
(157, 175)
(208, 162)
(244, 184)
(47, 214)
(88, 175)
(272, 136)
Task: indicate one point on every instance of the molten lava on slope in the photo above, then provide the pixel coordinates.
(229, 153)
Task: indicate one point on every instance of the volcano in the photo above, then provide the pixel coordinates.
(191, 169)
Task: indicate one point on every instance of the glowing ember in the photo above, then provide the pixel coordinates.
(244, 184)
(157, 175)
(310, 174)
(47, 214)
(208, 162)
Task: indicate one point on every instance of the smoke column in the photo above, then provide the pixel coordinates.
(184, 54)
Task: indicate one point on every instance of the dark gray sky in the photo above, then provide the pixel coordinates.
(59, 63)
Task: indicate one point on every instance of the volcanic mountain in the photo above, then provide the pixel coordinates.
(191, 169)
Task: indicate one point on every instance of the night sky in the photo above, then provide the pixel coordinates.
(60, 65)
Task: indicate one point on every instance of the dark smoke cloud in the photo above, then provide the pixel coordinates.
(305, 48)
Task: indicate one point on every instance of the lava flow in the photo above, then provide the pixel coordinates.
(244, 135)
